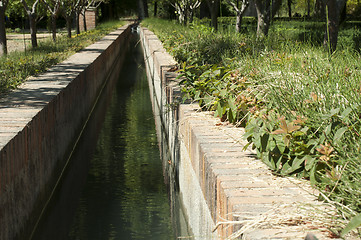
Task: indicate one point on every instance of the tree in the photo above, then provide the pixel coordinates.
(289, 5)
(32, 15)
(334, 10)
(213, 6)
(308, 8)
(53, 7)
(142, 9)
(155, 10)
(319, 8)
(67, 10)
(3, 45)
(239, 11)
(266, 10)
(78, 8)
(185, 9)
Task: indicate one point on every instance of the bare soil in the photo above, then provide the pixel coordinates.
(21, 42)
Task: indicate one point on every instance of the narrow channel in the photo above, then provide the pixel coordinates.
(114, 186)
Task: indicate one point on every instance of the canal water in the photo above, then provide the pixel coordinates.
(114, 187)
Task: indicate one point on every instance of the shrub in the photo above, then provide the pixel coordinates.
(300, 106)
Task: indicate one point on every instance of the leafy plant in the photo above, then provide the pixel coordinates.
(299, 105)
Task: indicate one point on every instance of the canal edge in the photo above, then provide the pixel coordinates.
(227, 193)
(40, 122)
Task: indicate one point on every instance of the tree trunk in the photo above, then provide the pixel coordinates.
(145, 7)
(32, 21)
(191, 15)
(53, 26)
(77, 22)
(141, 13)
(214, 20)
(3, 45)
(289, 4)
(319, 9)
(334, 8)
(308, 8)
(240, 12)
(155, 8)
(214, 10)
(68, 25)
(266, 10)
(238, 22)
(84, 21)
(263, 24)
(263, 17)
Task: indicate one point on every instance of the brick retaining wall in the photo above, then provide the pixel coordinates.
(39, 123)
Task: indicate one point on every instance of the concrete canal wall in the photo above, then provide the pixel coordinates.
(226, 192)
(39, 124)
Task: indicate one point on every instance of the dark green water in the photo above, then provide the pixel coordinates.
(115, 189)
(125, 196)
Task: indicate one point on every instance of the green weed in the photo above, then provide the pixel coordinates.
(299, 105)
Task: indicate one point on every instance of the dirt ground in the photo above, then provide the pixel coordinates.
(21, 42)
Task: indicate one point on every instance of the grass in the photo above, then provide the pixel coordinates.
(17, 66)
(300, 105)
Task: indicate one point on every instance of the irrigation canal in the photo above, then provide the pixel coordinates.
(114, 186)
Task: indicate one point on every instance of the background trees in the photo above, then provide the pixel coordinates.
(334, 8)
(53, 7)
(31, 9)
(185, 9)
(266, 10)
(3, 6)
(240, 10)
(329, 11)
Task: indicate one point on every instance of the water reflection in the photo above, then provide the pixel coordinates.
(125, 196)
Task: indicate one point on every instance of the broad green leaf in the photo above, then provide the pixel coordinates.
(223, 92)
(264, 142)
(286, 168)
(312, 142)
(246, 146)
(271, 145)
(345, 113)
(280, 143)
(257, 141)
(339, 133)
(296, 164)
(231, 117)
(313, 178)
(334, 111)
(298, 134)
(277, 159)
(355, 222)
(309, 162)
(328, 129)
